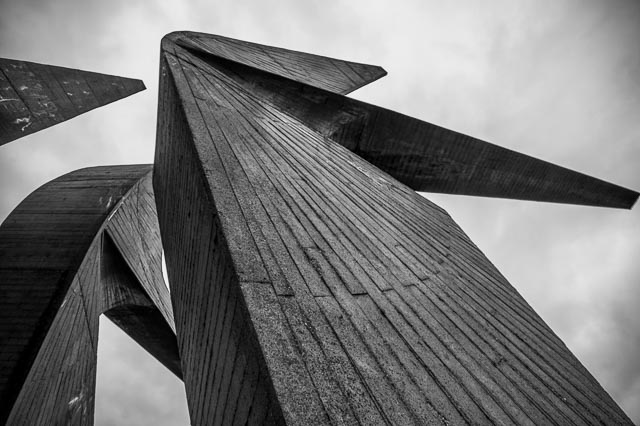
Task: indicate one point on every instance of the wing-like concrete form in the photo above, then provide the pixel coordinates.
(333, 75)
(83, 244)
(35, 96)
(310, 287)
(421, 155)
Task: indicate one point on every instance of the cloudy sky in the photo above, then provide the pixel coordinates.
(559, 80)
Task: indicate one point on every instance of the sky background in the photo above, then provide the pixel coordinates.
(559, 80)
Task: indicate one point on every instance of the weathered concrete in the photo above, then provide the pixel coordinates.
(310, 284)
(336, 76)
(83, 244)
(421, 155)
(309, 287)
(36, 96)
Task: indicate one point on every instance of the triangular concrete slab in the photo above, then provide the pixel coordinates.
(36, 96)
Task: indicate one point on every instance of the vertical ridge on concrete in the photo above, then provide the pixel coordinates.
(59, 270)
(360, 301)
(204, 285)
(330, 74)
(35, 96)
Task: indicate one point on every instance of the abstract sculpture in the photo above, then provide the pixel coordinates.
(36, 96)
(84, 244)
(310, 283)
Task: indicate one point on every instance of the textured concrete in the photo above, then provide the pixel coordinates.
(36, 96)
(83, 244)
(310, 287)
(329, 74)
(310, 283)
(421, 155)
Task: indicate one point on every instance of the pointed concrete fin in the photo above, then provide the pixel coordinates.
(433, 159)
(303, 257)
(334, 75)
(421, 155)
(36, 96)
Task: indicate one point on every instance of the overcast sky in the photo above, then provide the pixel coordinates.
(559, 80)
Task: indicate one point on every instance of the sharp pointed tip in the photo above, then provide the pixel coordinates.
(71, 91)
(633, 200)
(334, 75)
(134, 86)
(619, 198)
(381, 72)
(139, 85)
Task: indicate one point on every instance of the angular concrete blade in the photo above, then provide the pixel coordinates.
(334, 75)
(309, 287)
(423, 156)
(36, 96)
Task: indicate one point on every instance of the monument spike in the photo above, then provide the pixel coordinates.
(310, 287)
(35, 96)
(423, 156)
(334, 75)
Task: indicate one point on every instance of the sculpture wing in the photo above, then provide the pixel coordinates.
(36, 96)
(423, 156)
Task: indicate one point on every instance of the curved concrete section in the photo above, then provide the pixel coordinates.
(81, 245)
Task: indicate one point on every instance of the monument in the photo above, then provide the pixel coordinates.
(309, 282)
(36, 96)
(84, 244)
